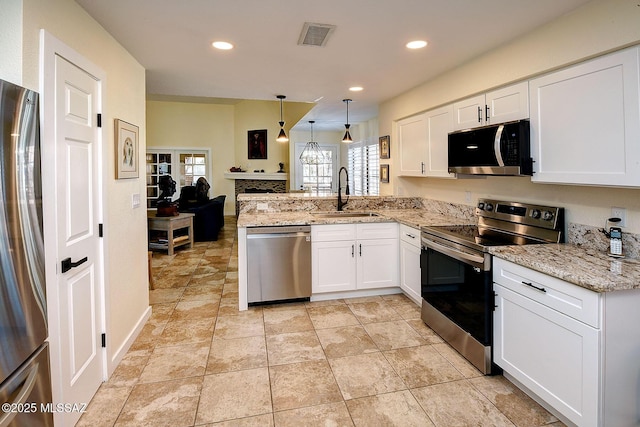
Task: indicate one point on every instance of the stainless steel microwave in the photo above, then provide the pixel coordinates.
(501, 149)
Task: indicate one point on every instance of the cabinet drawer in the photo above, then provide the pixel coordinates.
(333, 232)
(410, 235)
(377, 230)
(571, 300)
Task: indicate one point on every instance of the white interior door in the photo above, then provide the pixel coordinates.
(79, 360)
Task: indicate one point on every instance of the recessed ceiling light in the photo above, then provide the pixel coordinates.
(355, 88)
(222, 45)
(416, 44)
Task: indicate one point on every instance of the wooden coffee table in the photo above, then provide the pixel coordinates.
(170, 224)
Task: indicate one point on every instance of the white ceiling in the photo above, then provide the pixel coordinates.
(172, 40)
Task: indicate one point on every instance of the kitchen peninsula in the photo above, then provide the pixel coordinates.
(291, 209)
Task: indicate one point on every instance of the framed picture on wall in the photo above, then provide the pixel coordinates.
(257, 144)
(384, 173)
(126, 144)
(385, 149)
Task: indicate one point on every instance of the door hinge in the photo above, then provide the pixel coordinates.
(100, 230)
(104, 340)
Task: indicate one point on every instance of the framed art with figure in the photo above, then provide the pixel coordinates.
(257, 144)
(126, 145)
(384, 173)
(385, 152)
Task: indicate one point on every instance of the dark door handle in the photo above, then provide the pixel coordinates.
(68, 265)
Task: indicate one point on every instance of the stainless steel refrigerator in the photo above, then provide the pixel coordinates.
(25, 385)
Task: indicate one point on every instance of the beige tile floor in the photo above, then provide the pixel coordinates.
(363, 361)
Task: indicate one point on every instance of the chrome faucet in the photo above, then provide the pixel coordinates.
(346, 190)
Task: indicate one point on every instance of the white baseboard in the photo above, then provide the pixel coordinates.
(119, 354)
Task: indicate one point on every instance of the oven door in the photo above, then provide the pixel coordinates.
(458, 285)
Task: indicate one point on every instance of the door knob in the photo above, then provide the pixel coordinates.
(68, 265)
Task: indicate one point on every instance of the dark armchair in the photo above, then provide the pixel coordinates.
(209, 213)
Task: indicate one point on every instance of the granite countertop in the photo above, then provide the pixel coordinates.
(588, 268)
(412, 217)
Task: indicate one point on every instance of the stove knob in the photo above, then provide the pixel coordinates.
(547, 216)
(535, 213)
(481, 205)
(488, 207)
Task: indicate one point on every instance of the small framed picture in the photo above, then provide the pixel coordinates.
(257, 144)
(126, 145)
(385, 149)
(384, 173)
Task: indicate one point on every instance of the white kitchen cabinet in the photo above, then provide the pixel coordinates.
(585, 122)
(412, 140)
(410, 280)
(569, 346)
(347, 257)
(498, 106)
(439, 124)
(423, 142)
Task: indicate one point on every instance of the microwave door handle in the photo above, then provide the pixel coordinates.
(496, 146)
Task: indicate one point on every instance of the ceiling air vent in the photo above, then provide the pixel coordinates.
(315, 34)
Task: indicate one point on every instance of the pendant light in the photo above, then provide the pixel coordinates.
(347, 135)
(313, 155)
(282, 136)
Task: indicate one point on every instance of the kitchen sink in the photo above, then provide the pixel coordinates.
(344, 214)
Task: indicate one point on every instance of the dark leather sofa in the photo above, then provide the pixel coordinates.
(209, 213)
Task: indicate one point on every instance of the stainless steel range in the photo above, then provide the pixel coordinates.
(457, 290)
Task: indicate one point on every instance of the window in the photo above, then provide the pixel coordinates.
(321, 176)
(364, 168)
(184, 166)
(192, 167)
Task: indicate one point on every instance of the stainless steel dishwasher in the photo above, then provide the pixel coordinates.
(278, 263)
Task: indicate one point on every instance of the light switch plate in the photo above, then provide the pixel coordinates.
(135, 200)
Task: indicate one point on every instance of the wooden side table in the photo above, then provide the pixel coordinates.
(170, 224)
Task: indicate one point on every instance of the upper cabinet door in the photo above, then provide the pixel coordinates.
(439, 124)
(412, 137)
(585, 122)
(507, 104)
(469, 113)
(501, 105)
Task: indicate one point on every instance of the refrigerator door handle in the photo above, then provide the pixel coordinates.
(21, 398)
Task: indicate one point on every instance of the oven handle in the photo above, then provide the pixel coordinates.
(474, 260)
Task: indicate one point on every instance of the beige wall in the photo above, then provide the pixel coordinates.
(11, 41)
(223, 129)
(125, 228)
(197, 125)
(252, 115)
(598, 27)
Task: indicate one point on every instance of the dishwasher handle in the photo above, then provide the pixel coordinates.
(275, 230)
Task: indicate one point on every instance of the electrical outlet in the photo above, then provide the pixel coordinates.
(619, 213)
(467, 196)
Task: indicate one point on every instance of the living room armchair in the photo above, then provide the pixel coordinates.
(209, 213)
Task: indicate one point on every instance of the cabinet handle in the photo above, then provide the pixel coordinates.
(410, 235)
(486, 113)
(531, 285)
(353, 251)
(479, 115)
(422, 168)
(360, 250)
